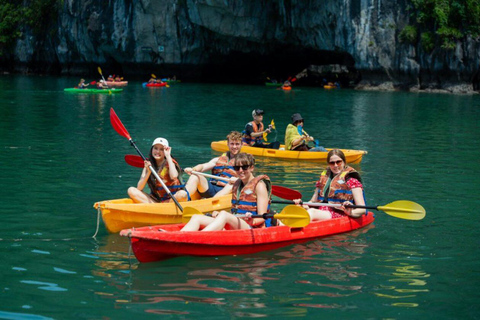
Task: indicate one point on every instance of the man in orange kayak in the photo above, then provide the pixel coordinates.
(254, 130)
(221, 166)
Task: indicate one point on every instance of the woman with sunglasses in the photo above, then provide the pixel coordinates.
(250, 196)
(339, 183)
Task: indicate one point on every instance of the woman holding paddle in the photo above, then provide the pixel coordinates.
(250, 196)
(168, 170)
(339, 183)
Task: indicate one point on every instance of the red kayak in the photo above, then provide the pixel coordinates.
(166, 241)
(162, 84)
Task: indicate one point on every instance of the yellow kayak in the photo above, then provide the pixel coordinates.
(123, 213)
(353, 156)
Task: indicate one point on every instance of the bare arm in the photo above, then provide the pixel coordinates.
(144, 177)
(207, 166)
(262, 198)
(359, 200)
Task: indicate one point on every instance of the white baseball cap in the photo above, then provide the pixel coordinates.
(161, 141)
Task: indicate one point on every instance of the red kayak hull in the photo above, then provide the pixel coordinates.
(163, 84)
(161, 242)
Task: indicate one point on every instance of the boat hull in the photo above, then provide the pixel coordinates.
(123, 213)
(157, 243)
(76, 90)
(117, 83)
(352, 156)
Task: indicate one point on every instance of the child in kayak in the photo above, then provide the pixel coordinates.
(339, 183)
(168, 170)
(250, 196)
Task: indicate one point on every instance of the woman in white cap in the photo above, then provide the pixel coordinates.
(166, 167)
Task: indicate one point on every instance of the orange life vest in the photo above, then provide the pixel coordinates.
(223, 168)
(339, 191)
(245, 200)
(248, 140)
(173, 185)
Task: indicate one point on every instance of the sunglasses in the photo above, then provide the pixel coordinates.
(338, 162)
(244, 167)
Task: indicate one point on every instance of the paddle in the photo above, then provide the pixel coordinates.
(272, 126)
(121, 130)
(100, 71)
(292, 216)
(402, 209)
(279, 191)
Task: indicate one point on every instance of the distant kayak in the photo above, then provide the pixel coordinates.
(171, 81)
(272, 84)
(76, 90)
(352, 156)
(150, 85)
(117, 83)
(286, 88)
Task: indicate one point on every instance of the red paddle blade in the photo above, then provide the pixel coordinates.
(134, 161)
(286, 193)
(118, 125)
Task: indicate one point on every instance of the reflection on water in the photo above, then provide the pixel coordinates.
(238, 285)
(405, 279)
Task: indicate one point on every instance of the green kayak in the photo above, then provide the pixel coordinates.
(271, 84)
(76, 90)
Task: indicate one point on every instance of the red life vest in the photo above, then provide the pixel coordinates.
(223, 168)
(173, 185)
(248, 140)
(245, 200)
(339, 191)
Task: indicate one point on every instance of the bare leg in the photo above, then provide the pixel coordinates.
(139, 196)
(202, 184)
(190, 186)
(319, 215)
(197, 221)
(225, 218)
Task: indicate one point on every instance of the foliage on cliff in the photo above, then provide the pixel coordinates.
(15, 15)
(441, 23)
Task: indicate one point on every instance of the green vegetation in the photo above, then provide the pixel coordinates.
(409, 35)
(442, 23)
(16, 15)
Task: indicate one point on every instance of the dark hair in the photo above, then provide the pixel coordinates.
(152, 180)
(336, 152)
(244, 159)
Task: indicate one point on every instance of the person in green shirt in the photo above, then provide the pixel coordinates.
(296, 138)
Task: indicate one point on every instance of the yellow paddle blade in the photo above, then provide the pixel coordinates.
(188, 212)
(293, 216)
(99, 70)
(273, 124)
(154, 76)
(265, 136)
(404, 209)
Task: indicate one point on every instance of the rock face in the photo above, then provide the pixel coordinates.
(240, 39)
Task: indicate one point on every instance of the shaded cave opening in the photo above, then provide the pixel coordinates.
(306, 67)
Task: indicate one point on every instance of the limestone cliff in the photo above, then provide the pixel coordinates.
(238, 39)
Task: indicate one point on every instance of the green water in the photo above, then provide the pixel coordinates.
(59, 155)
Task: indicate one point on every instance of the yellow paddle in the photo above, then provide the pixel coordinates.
(402, 209)
(272, 124)
(292, 216)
